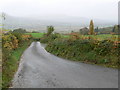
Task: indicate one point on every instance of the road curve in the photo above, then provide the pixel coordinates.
(40, 69)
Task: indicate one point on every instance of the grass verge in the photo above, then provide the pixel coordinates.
(10, 65)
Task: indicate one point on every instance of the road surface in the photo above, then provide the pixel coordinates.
(40, 69)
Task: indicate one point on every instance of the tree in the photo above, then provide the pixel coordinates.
(18, 33)
(91, 27)
(3, 15)
(96, 29)
(116, 29)
(19, 30)
(50, 29)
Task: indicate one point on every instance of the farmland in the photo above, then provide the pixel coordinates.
(36, 35)
(98, 37)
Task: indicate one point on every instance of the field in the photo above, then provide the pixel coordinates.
(98, 37)
(36, 35)
(103, 37)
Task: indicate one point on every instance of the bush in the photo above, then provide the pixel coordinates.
(9, 41)
(50, 38)
(10, 55)
(18, 36)
(87, 50)
(104, 47)
(19, 30)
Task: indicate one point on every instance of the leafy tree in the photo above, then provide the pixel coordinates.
(116, 29)
(96, 29)
(91, 27)
(50, 29)
(19, 30)
(18, 33)
(72, 31)
(3, 15)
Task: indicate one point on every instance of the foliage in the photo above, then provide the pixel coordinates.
(104, 47)
(50, 38)
(10, 61)
(116, 29)
(13, 45)
(50, 29)
(91, 27)
(20, 30)
(9, 41)
(103, 52)
(18, 36)
(96, 29)
(105, 30)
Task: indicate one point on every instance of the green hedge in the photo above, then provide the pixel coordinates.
(91, 51)
(10, 60)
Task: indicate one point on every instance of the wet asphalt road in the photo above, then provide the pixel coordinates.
(40, 69)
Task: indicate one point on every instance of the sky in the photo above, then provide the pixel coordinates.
(99, 9)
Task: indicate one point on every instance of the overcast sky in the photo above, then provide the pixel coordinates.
(100, 9)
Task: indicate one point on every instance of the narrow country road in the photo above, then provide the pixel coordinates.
(40, 69)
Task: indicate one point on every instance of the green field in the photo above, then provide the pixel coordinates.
(39, 35)
(36, 35)
(100, 37)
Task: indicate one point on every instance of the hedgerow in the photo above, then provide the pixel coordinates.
(103, 52)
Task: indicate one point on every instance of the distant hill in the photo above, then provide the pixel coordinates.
(61, 23)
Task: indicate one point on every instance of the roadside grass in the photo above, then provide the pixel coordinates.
(11, 64)
(36, 35)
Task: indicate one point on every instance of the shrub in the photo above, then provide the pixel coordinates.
(19, 30)
(87, 50)
(9, 41)
(50, 30)
(104, 47)
(50, 38)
